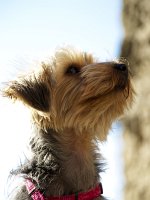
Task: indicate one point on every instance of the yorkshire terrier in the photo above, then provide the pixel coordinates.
(73, 100)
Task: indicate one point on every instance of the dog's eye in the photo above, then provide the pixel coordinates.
(73, 70)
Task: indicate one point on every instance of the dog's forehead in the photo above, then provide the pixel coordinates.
(69, 56)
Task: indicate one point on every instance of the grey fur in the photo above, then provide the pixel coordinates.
(46, 167)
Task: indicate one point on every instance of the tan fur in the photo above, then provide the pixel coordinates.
(79, 107)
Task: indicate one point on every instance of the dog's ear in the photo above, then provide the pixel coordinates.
(33, 90)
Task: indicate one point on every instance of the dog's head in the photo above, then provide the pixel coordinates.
(75, 91)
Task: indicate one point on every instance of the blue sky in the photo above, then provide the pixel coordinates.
(34, 26)
(33, 29)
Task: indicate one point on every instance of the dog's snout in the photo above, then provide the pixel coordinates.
(121, 67)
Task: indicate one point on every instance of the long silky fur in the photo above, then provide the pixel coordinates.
(70, 110)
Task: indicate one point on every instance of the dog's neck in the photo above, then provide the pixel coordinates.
(64, 162)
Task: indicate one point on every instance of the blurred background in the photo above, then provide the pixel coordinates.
(30, 31)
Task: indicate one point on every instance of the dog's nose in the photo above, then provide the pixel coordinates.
(121, 67)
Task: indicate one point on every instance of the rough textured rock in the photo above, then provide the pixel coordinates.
(136, 48)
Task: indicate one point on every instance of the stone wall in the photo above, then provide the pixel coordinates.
(136, 48)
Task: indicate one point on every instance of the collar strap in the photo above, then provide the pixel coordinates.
(89, 195)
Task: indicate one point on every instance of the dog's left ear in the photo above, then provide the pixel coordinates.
(33, 90)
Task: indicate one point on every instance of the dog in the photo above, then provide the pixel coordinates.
(73, 99)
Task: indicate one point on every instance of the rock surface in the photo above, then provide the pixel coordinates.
(136, 48)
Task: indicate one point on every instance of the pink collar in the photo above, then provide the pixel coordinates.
(37, 195)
